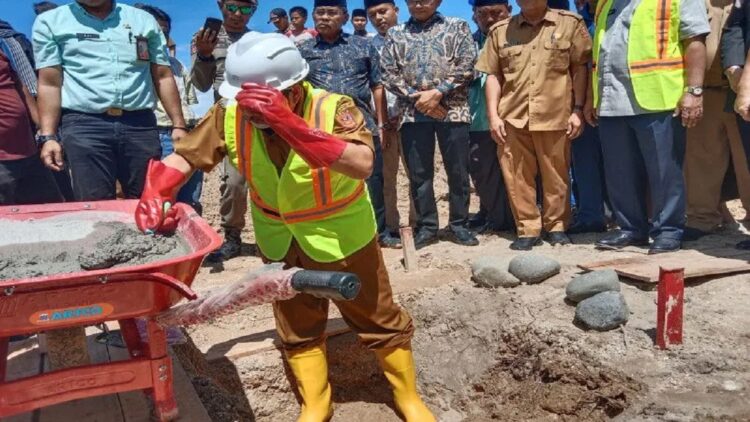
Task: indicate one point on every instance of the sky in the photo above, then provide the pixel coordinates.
(188, 16)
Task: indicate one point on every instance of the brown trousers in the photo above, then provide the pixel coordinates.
(524, 155)
(391, 158)
(710, 146)
(379, 322)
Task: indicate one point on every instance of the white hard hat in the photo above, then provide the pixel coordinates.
(268, 59)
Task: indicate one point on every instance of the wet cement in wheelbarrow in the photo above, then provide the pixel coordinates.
(100, 245)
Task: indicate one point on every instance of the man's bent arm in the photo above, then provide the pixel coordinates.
(356, 161)
(49, 99)
(166, 89)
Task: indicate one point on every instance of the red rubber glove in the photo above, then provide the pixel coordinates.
(317, 148)
(154, 212)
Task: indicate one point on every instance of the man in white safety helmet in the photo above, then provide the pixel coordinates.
(305, 153)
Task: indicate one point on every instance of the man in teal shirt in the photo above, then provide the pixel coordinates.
(101, 66)
(494, 210)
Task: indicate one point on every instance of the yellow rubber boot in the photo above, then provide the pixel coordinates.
(398, 365)
(310, 368)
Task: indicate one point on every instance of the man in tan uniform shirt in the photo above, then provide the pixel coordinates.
(714, 141)
(536, 88)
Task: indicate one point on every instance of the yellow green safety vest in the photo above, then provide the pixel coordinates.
(655, 53)
(327, 213)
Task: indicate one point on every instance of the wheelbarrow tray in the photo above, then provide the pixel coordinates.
(86, 298)
(67, 300)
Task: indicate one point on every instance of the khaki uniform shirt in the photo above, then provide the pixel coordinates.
(535, 63)
(204, 146)
(718, 13)
(210, 73)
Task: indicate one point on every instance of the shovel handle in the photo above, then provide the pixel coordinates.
(327, 284)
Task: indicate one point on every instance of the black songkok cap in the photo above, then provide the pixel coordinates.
(339, 3)
(373, 3)
(356, 13)
(480, 3)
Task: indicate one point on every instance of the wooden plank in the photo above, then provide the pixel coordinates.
(24, 360)
(136, 407)
(411, 263)
(93, 409)
(696, 264)
(191, 407)
(266, 341)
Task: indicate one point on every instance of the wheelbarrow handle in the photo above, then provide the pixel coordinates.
(327, 284)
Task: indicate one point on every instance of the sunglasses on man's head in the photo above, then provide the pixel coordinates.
(245, 10)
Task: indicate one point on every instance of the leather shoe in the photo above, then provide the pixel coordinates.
(477, 220)
(231, 248)
(664, 245)
(463, 237)
(557, 238)
(580, 228)
(525, 243)
(423, 239)
(619, 240)
(691, 234)
(389, 241)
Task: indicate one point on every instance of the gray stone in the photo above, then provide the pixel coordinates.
(492, 272)
(531, 268)
(586, 285)
(603, 312)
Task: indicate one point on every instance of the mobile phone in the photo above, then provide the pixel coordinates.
(212, 24)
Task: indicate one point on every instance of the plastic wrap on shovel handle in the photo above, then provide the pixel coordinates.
(327, 284)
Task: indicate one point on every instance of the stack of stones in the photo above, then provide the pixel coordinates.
(494, 272)
(600, 305)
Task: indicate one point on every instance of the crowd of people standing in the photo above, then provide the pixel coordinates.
(564, 122)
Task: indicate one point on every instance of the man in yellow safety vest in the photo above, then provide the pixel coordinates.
(305, 153)
(649, 59)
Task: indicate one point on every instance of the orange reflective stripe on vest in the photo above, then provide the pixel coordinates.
(321, 178)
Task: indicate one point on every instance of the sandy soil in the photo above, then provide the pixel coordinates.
(497, 354)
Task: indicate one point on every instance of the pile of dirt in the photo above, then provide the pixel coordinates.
(535, 378)
(475, 363)
(483, 356)
(102, 245)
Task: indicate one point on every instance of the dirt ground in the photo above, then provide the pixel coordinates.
(507, 355)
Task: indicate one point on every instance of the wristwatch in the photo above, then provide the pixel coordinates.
(694, 90)
(41, 139)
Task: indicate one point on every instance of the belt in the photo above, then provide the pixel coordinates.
(114, 112)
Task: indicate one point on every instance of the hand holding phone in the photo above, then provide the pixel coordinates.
(208, 37)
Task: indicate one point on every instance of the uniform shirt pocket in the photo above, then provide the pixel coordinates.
(510, 58)
(558, 54)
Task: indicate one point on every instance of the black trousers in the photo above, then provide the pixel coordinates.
(745, 135)
(484, 169)
(26, 181)
(418, 141)
(375, 188)
(101, 150)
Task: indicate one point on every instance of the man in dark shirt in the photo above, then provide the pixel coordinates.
(359, 22)
(23, 177)
(346, 64)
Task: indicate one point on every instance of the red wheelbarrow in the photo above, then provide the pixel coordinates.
(123, 294)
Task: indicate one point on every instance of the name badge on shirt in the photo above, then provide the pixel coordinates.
(82, 36)
(141, 48)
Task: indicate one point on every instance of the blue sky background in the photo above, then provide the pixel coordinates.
(188, 16)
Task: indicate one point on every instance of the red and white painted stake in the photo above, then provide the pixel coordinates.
(669, 307)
